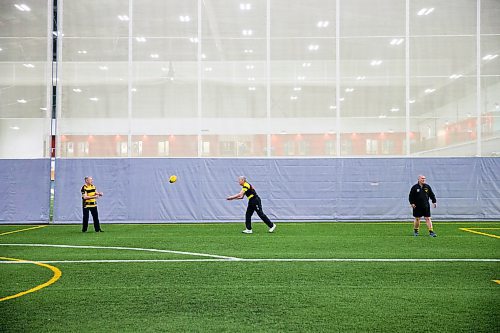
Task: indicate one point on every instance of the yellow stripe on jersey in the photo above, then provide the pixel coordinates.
(89, 190)
(248, 187)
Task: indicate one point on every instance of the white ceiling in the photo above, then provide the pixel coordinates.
(441, 44)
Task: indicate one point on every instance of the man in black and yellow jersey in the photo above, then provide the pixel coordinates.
(89, 202)
(254, 205)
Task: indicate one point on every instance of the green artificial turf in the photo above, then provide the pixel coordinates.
(253, 296)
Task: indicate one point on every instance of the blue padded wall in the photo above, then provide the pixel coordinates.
(25, 187)
(316, 189)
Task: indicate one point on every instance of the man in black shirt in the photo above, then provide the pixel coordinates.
(254, 205)
(420, 194)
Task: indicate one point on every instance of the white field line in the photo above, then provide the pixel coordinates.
(123, 248)
(217, 258)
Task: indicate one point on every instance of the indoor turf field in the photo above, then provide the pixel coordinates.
(305, 277)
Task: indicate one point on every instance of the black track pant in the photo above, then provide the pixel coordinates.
(95, 217)
(255, 205)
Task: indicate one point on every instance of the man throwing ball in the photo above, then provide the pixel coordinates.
(254, 205)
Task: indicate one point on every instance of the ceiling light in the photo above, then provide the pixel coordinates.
(395, 109)
(293, 98)
(22, 101)
(322, 24)
(313, 47)
(248, 51)
(43, 109)
(103, 68)
(1, 49)
(208, 69)
(193, 40)
(77, 90)
(82, 52)
(397, 41)
(140, 39)
(251, 79)
(203, 56)
(123, 17)
(332, 107)
(382, 116)
(301, 78)
(429, 90)
(490, 56)
(376, 62)
(247, 32)
(297, 89)
(154, 55)
(249, 66)
(306, 64)
(341, 99)
(29, 65)
(425, 11)
(348, 90)
(185, 18)
(455, 76)
(251, 88)
(411, 101)
(15, 128)
(23, 7)
(133, 90)
(94, 99)
(361, 78)
(245, 6)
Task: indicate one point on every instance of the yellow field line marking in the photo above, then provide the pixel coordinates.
(478, 228)
(55, 277)
(496, 281)
(11, 232)
(479, 233)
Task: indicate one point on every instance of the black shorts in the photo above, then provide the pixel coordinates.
(422, 211)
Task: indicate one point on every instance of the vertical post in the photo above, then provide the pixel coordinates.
(129, 76)
(198, 61)
(478, 80)
(268, 78)
(407, 79)
(337, 76)
(53, 31)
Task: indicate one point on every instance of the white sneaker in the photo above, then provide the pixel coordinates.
(272, 228)
(246, 231)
